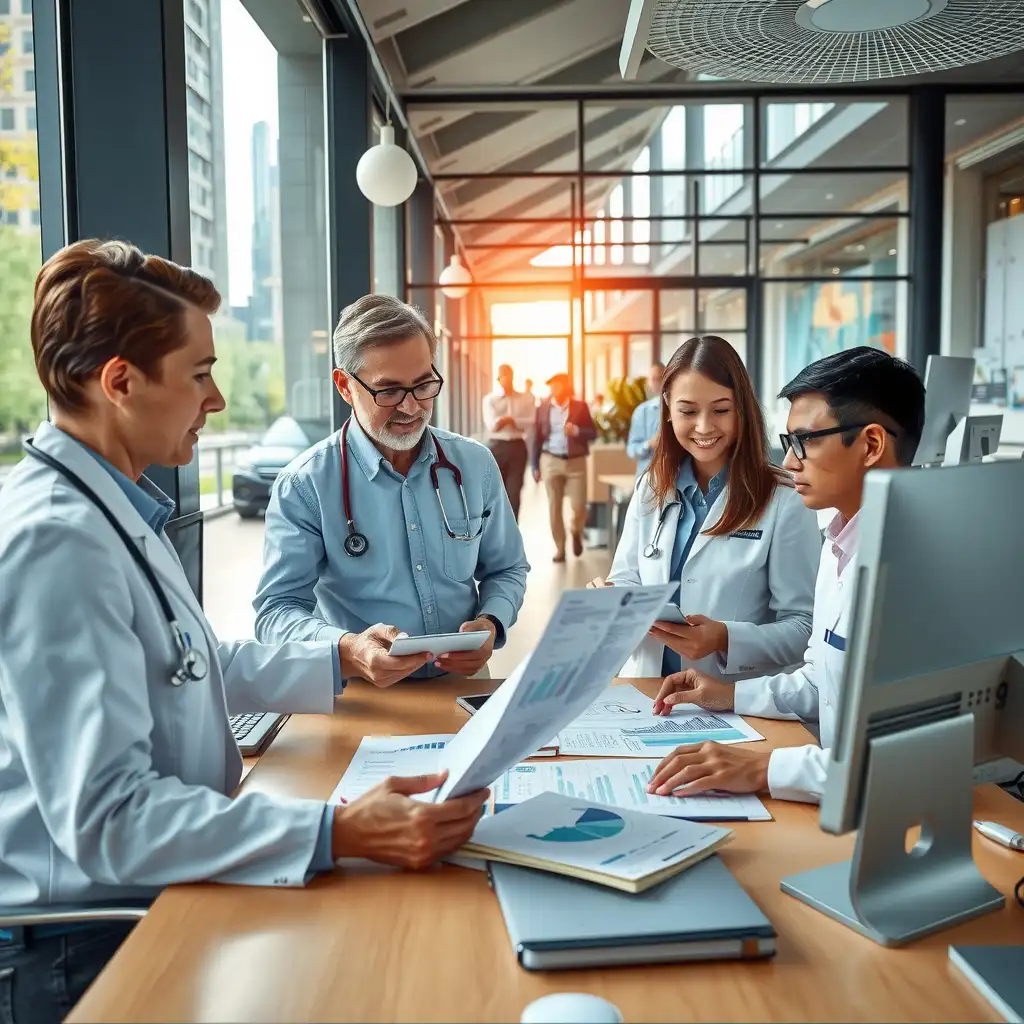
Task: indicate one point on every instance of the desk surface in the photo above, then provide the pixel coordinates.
(371, 943)
(618, 481)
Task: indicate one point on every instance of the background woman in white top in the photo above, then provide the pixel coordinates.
(713, 513)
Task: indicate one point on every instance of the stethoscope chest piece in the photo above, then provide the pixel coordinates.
(355, 544)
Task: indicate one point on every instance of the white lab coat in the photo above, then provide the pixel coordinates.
(113, 782)
(812, 691)
(760, 584)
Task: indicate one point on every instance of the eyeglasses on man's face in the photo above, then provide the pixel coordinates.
(796, 440)
(388, 398)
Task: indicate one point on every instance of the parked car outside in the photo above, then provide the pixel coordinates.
(256, 470)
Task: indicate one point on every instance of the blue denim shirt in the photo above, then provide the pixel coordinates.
(156, 509)
(146, 498)
(413, 575)
(692, 515)
(642, 427)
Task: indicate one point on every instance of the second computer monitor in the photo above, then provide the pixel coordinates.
(933, 684)
(948, 381)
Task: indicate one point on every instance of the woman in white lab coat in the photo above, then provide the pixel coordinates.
(117, 761)
(713, 514)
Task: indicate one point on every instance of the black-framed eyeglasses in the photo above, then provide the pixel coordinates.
(388, 398)
(796, 440)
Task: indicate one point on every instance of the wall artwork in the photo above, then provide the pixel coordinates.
(827, 317)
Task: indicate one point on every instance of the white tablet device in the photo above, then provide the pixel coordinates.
(439, 643)
(671, 613)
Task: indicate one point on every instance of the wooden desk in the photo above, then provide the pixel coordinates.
(373, 944)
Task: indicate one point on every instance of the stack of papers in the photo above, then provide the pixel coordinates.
(594, 842)
(619, 783)
(589, 636)
(622, 723)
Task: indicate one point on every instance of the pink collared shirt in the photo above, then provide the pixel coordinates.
(842, 535)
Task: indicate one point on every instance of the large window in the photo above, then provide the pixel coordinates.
(22, 400)
(257, 228)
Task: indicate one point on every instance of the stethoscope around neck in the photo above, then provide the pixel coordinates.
(653, 549)
(356, 544)
(192, 665)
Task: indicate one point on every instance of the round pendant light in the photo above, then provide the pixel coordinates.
(455, 278)
(386, 174)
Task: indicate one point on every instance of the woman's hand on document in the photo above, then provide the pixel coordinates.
(597, 582)
(387, 826)
(700, 767)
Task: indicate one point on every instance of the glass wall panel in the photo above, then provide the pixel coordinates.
(256, 119)
(850, 133)
(517, 138)
(22, 399)
(836, 246)
(829, 192)
(714, 134)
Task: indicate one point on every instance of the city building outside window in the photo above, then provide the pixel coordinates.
(22, 399)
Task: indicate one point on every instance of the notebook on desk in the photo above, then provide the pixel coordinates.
(997, 972)
(557, 923)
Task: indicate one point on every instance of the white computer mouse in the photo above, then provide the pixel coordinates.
(571, 1008)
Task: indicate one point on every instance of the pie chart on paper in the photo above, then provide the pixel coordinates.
(593, 823)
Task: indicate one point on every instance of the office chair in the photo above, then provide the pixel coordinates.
(73, 913)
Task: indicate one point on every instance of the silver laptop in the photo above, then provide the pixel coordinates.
(253, 732)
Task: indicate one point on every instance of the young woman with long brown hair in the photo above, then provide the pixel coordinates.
(714, 514)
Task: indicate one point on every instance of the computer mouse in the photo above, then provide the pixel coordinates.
(571, 1008)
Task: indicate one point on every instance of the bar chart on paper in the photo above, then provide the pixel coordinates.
(620, 784)
(655, 737)
(551, 684)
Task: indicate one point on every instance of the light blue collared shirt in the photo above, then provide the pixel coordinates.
(557, 442)
(413, 575)
(694, 511)
(642, 427)
(146, 498)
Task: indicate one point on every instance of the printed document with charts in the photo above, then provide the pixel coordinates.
(595, 842)
(621, 723)
(589, 636)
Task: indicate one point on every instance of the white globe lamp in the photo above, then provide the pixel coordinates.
(386, 174)
(455, 279)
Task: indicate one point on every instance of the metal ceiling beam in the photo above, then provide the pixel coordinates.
(457, 31)
(564, 146)
(678, 92)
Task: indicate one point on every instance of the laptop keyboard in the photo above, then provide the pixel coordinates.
(242, 725)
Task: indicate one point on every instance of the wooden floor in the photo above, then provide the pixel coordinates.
(233, 559)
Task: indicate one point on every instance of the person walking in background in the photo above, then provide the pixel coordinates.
(563, 431)
(646, 421)
(508, 418)
(528, 390)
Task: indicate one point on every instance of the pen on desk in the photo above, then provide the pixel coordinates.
(1000, 834)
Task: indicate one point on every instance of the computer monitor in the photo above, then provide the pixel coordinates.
(947, 400)
(972, 439)
(933, 684)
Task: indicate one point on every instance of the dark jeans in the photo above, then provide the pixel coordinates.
(41, 979)
(511, 459)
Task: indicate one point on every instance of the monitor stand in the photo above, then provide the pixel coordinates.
(921, 776)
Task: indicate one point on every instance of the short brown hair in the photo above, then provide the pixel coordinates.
(96, 301)
(752, 477)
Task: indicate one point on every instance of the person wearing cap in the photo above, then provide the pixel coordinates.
(508, 417)
(563, 430)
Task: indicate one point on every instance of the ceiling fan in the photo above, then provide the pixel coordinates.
(819, 41)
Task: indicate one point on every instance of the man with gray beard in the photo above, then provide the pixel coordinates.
(389, 525)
